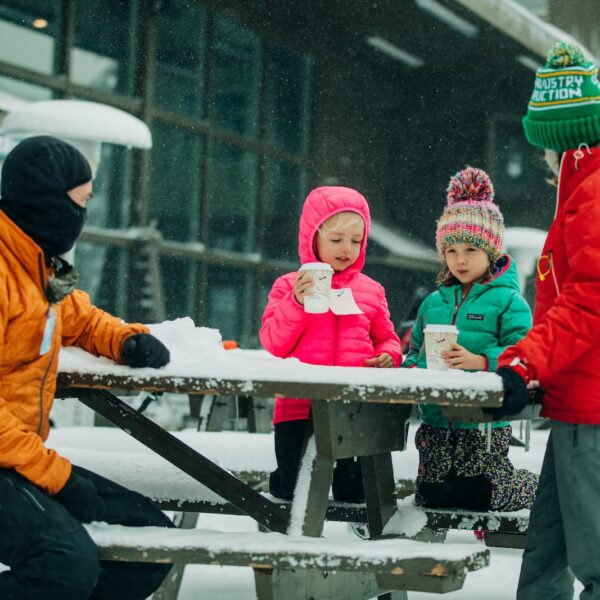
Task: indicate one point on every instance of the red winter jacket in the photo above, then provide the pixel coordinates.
(562, 349)
(327, 339)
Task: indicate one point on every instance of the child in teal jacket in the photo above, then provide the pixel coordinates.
(479, 294)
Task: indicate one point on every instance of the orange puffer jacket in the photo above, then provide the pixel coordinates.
(28, 370)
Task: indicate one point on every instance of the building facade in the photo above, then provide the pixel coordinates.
(251, 104)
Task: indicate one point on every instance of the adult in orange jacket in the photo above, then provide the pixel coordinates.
(43, 498)
(562, 350)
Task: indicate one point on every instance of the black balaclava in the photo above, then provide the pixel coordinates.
(36, 176)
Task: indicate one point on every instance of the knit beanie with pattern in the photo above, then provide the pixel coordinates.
(564, 109)
(470, 216)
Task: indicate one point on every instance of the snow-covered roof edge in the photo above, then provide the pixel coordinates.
(400, 244)
(516, 21)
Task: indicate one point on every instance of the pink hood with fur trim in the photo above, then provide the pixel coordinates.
(327, 339)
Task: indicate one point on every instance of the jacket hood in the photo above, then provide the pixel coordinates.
(574, 171)
(322, 203)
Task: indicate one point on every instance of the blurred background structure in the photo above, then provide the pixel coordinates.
(252, 103)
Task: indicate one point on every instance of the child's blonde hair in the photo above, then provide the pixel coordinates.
(339, 221)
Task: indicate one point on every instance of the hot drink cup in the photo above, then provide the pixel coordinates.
(438, 339)
(317, 301)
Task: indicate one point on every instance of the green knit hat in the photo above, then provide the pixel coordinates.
(564, 110)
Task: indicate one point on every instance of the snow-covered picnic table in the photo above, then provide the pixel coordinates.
(356, 412)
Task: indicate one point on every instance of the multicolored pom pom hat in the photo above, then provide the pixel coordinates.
(564, 109)
(470, 216)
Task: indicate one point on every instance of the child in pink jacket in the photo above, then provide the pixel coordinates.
(334, 227)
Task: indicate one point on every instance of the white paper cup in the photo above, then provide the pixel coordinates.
(438, 339)
(318, 299)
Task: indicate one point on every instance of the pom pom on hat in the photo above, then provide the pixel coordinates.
(564, 108)
(564, 54)
(470, 184)
(471, 216)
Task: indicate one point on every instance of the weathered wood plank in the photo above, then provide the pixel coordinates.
(349, 432)
(400, 394)
(278, 551)
(300, 584)
(516, 523)
(380, 496)
(437, 519)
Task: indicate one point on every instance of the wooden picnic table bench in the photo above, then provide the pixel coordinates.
(299, 568)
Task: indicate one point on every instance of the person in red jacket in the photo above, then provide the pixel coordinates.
(334, 227)
(44, 499)
(562, 350)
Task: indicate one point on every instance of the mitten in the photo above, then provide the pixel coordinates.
(80, 497)
(144, 350)
(515, 394)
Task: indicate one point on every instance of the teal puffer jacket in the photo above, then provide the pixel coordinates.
(493, 316)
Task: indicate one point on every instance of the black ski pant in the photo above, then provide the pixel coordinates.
(50, 554)
(290, 441)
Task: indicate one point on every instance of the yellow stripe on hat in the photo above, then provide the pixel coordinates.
(559, 72)
(571, 101)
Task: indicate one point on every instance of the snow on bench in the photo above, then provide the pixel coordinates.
(249, 456)
(404, 563)
(115, 455)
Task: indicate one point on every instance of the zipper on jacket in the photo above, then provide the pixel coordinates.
(335, 338)
(45, 377)
(455, 312)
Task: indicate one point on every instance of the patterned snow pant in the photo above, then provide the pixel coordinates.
(456, 470)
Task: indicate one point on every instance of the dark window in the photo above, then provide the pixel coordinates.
(229, 302)
(175, 182)
(237, 78)
(233, 183)
(179, 286)
(287, 100)
(104, 53)
(286, 190)
(180, 61)
(28, 33)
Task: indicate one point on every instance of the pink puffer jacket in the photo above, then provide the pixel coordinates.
(327, 339)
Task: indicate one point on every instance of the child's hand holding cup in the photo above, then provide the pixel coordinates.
(312, 286)
(438, 339)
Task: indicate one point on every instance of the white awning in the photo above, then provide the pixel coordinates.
(78, 120)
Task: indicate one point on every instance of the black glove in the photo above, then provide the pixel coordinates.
(144, 350)
(516, 395)
(80, 497)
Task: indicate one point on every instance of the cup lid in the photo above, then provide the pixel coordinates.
(440, 329)
(316, 266)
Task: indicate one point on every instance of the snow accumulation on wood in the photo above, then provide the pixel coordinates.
(298, 551)
(196, 352)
